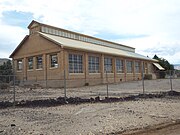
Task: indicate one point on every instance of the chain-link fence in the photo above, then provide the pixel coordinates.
(12, 89)
(7, 86)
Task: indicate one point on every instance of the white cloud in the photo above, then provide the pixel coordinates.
(159, 20)
(10, 37)
(160, 45)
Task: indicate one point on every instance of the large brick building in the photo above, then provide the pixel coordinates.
(48, 51)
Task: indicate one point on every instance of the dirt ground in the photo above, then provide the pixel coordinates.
(91, 118)
(170, 130)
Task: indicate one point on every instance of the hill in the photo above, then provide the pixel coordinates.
(177, 66)
(2, 60)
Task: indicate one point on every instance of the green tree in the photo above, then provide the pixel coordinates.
(156, 57)
(164, 63)
(6, 72)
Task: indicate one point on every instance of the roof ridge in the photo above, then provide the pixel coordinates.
(33, 21)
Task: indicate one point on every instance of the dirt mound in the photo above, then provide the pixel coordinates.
(173, 93)
(78, 100)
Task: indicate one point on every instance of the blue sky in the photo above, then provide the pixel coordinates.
(17, 18)
(151, 26)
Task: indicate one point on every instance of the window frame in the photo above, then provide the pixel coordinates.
(19, 65)
(137, 66)
(129, 66)
(28, 63)
(93, 64)
(119, 66)
(51, 64)
(108, 61)
(37, 65)
(75, 62)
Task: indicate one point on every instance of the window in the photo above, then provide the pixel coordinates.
(65, 34)
(80, 38)
(59, 33)
(54, 60)
(19, 65)
(108, 65)
(77, 37)
(137, 67)
(30, 63)
(75, 63)
(72, 36)
(50, 31)
(43, 29)
(56, 32)
(46, 29)
(39, 62)
(68, 35)
(93, 62)
(129, 66)
(92, 41)
(53, 31)
(87, 39)
(62, 33)
(119, 66)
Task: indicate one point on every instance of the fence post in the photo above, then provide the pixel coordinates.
(170, 77)
(107, 85)
(46, 80)
(9, 79)
(14, 92)
(65, 84)
(143, 77)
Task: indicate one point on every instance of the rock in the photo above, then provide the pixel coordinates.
(13, 125)
(178, 120)
(91, 99)
(173, 93)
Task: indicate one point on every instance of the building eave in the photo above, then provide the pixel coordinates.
(57, 43)
(78, 45)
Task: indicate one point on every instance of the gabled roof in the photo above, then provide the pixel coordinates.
(79, 45)
(25, 38)
(33, 22)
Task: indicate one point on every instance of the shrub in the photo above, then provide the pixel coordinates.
(148, 76)
(4, 86)
(162, 75)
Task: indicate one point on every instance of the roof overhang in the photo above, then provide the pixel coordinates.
(85, 46)
(158, 66)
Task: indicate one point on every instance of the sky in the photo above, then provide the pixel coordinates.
(150, 26)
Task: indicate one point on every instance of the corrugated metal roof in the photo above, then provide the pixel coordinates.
(79, 45)
(158, 66)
